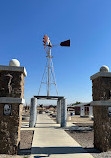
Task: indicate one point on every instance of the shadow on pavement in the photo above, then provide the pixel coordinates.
(24, 152)
(45, 123)
(92, 150)
(57, 150)
(40, 156)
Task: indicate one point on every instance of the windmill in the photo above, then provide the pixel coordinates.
(49, 74)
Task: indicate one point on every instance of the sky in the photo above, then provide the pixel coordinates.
(87, 23)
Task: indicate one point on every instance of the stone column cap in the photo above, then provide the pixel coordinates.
(13, 68)
(101, 103)
(11, 100)
(100, 74)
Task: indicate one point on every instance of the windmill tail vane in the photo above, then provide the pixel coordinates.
(65, 43)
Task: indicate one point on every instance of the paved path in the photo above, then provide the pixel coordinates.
(53, 142)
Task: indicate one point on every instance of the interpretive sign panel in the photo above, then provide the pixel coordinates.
(7, 109)
(109, 111)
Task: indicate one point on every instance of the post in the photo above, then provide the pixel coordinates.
(82, 112)
(58, 119)
(49, 56)
(33, 112)
(63, 112)
(101, 90)
(11, 105)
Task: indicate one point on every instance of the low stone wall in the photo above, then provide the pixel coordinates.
(102, 128)
(10, 129)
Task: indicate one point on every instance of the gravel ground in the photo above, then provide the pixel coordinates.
(25, 145)
(85, 139)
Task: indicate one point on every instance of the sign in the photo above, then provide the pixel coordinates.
(7, 109)
(109, 111)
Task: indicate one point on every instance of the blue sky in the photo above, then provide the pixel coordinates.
(87, 23)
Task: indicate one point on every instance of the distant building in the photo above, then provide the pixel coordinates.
(83, 109)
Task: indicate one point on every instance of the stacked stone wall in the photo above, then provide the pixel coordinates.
(101, 90)
(10, 129)
(11, 84)
(102, 128)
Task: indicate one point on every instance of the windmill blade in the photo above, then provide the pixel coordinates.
(45, 40)
(65, 43)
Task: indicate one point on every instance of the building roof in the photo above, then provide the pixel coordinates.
(81, 104)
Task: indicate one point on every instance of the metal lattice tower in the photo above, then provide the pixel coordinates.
(48, 77)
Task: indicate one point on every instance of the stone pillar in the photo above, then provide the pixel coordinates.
(33, 112)
(11, 104)
(58, 119)
(82, 112)
(63, 112)
(101, 92)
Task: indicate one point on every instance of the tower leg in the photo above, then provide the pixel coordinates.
(49, 67)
